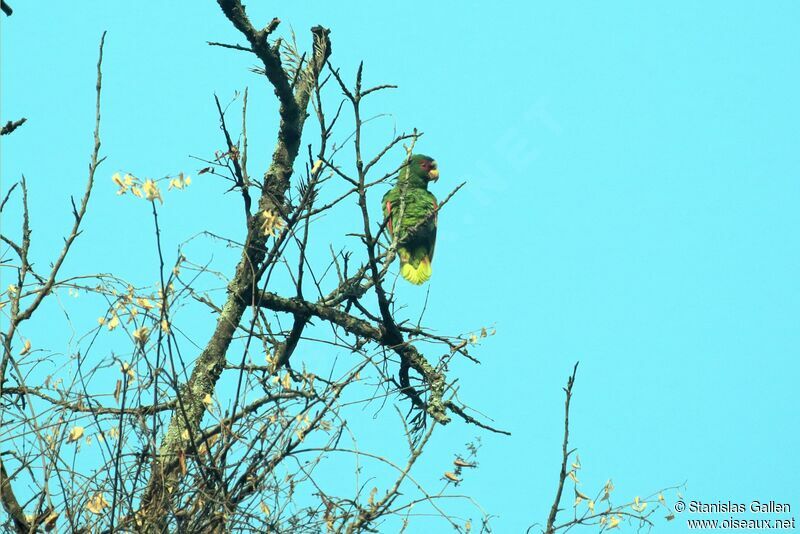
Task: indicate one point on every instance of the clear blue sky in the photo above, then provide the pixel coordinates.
(633, 179)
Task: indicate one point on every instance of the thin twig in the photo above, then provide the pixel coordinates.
(10, 126)
(562, 476)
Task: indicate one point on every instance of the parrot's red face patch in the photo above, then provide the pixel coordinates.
(430, 169)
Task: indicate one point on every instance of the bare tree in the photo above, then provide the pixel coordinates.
(599, 509)
(149, 426)
(174, 449)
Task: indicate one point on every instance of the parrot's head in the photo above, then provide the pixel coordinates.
(425, 167)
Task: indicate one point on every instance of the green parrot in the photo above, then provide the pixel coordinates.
(407, 205)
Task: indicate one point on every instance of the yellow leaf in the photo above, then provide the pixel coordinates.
(573, 477)
(264, 508)
(207, 400)
(75, 434)
(661, 499)
(136, 192)
(591, 506)
(179, 182)
(128, 370)
(287, 382)
(165, 326)
(451, 476)
(203, 448)
(26, 347)
(97, 503)
(609, 487)
(123, 184)
(613, 523)
(50, 521)
(151, 191)
(317, 166)
(577, 463)
(271, 223)
(101, 321)
(144, 303)
(12, 289)
(141, 334)
(113, 323)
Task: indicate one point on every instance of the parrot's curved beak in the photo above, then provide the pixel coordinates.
(433, 175)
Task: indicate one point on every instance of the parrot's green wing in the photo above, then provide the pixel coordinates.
(412, 218)
(410, 212)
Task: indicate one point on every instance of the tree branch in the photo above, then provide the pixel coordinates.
(241, 289)
(10, 126)
(562, 476)
(9, 501)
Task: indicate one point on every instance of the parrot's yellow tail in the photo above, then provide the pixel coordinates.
(418, 274)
